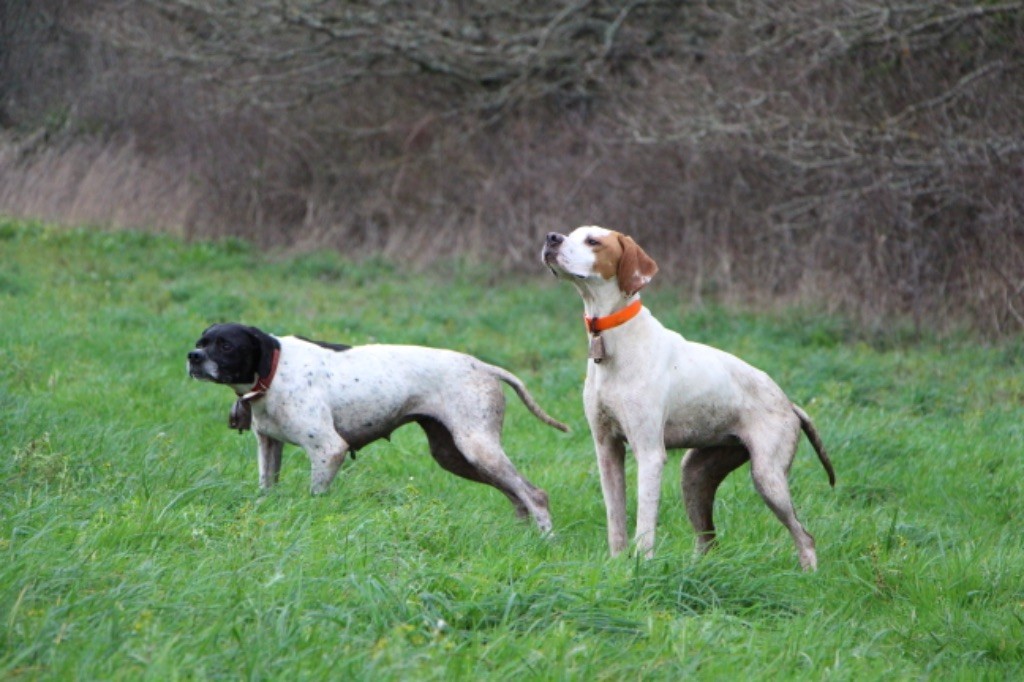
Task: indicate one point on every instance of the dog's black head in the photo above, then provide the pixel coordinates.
(232, 354)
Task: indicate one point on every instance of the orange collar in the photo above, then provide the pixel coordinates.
(596, 325)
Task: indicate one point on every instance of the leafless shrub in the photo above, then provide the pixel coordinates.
(860, 154)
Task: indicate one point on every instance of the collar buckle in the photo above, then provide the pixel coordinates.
(241, 412)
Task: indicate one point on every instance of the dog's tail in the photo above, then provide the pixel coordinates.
(819, 447)
(520, 388)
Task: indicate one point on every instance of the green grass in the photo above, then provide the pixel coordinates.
(134, 543)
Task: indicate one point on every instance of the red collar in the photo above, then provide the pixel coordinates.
(262, 384)
(596, 325)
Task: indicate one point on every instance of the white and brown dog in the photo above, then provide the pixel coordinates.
(331, 399)
(650, 387)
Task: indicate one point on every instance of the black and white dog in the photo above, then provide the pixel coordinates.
(330, 400)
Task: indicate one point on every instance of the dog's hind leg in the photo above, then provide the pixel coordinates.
(443, 449)
(497, 470)
(703, 470)
(770, 459)
(478, 456)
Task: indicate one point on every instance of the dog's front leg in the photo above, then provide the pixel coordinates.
(650, 460)
(325, 458)
(269, 459)
(611, 462)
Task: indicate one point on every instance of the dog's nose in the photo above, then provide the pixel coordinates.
(554, 239)
(195, 356)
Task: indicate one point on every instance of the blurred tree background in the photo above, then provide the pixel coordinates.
(863, 155)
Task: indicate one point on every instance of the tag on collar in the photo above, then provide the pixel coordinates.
(241, 415)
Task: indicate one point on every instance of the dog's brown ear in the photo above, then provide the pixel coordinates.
(636, 268)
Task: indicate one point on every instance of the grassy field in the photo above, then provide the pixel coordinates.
(134, 543)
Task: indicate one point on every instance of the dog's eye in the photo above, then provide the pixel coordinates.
(590, 241)
(224, 345)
